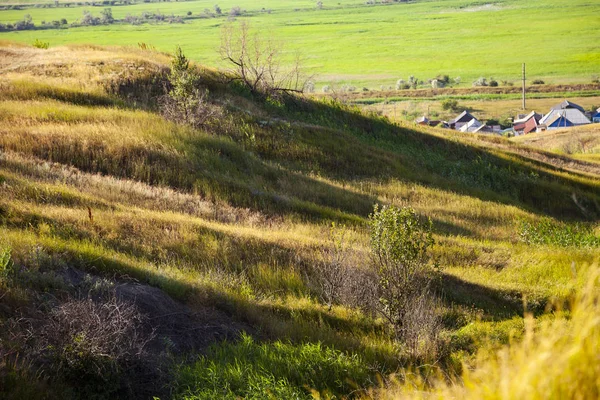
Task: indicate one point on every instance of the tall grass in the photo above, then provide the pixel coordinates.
(556, 359)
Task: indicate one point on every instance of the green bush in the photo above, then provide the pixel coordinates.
(41, 45)
(249, 370)
(450, 105)
(401, 244)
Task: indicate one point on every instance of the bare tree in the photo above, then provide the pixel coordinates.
(257, 61)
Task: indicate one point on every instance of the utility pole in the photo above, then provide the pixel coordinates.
(523, 86)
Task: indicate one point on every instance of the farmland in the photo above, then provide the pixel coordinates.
(349, 42)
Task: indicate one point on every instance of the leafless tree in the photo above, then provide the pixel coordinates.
(257, 61)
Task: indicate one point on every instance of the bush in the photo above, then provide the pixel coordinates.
(538, 82)
(450, 105)
(400, 245)
(185, 102)
(25, 23)
(493, 82)
(480, 82)
(41, 45)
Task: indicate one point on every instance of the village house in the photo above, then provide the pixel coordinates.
(464, 118)
(596, 116)
(562, 115)
(526, 124)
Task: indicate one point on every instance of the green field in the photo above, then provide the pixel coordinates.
(350, 42)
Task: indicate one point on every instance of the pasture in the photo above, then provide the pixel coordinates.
(350, 42)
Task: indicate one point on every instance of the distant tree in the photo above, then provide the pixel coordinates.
(63, 21)
(218, 10)
(538, 82)
(89, 19)
(493, 82)
(189, 13)
(319, 5)
(106, 16)
(235, 11)
(25, 23)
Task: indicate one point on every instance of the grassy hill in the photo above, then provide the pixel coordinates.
(582, 143)
(348, 41)
(102, 199)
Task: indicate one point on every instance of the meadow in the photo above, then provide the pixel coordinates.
(349, 42)
(229, 221)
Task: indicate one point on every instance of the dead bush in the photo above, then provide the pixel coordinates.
(95, 347)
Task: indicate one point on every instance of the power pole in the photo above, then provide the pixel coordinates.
(523, 86)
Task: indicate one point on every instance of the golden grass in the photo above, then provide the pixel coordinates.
(556, 359)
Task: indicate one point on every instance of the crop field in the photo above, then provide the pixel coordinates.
(350, 42)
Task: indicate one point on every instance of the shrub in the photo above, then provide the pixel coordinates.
(235, 11)
(493, 82)
(89, 19)
(40, 45)
(538, 82)
(106, 16)
(185, 102)
(332, 271)
(450, 105)
(480, 82)
(218, 10)
(25, 23)
(400, 245)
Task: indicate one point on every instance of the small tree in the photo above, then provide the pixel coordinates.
(400, 244)
(185, 101)
(218, 10)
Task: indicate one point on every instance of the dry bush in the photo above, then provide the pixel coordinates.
(194, 110)
(96, 347)
(257, 62)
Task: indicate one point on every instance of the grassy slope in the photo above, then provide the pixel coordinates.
(581, 142)
(369, 46)
(234, 219)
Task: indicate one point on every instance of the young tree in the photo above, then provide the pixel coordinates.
(401, 242)
(186, 102)
(257, 62)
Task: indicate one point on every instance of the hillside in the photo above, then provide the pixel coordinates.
(213, 234)
(582, 142)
